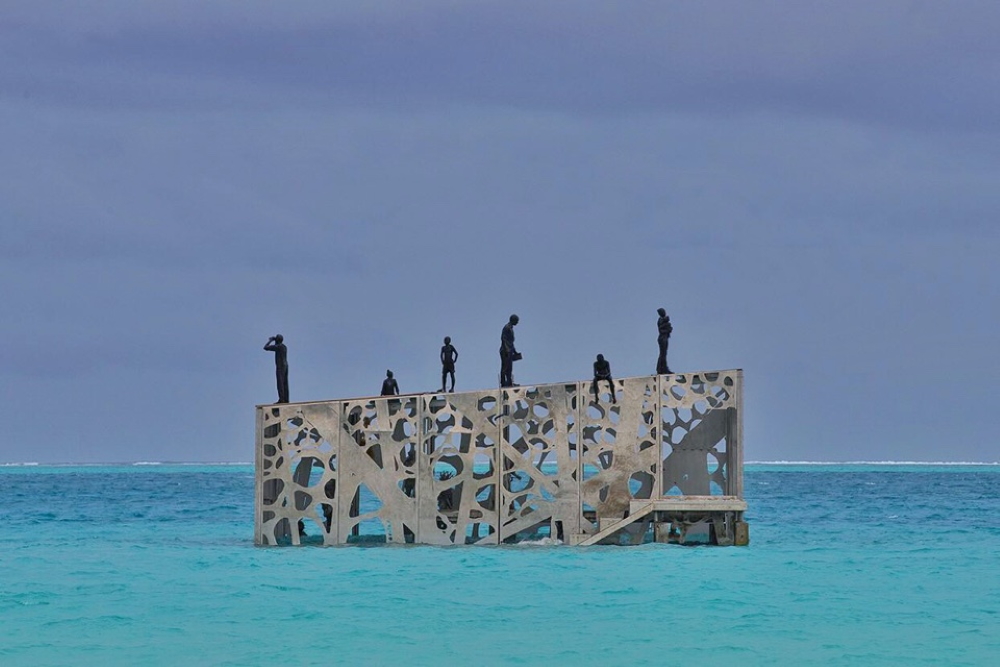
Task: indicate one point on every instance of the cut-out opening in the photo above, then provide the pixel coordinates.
(272, 488)
(640, 485)
(474, 532)
(369, 531)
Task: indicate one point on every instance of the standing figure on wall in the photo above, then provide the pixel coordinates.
(389, 385)
(602, 371)
(449, 355)
(275, 344)
(664, 328)
(508, 353)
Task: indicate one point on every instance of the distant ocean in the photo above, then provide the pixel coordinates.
(849, 564)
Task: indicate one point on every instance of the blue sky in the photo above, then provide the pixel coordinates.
(811, 191)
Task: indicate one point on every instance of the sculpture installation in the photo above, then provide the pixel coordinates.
(508, 465)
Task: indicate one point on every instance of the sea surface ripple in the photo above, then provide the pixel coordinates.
(848, 565)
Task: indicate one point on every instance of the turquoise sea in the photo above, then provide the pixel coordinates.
(154, 565)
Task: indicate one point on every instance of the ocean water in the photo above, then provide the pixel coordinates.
(154, 565)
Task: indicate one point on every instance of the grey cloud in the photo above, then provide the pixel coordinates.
(902, 63)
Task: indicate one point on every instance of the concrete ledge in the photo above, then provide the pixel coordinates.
(691, 504)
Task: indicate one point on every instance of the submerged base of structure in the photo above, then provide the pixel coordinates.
(662, 463)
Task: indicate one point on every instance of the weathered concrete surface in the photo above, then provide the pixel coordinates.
(506, 465)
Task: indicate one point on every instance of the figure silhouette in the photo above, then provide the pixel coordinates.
(664, 329)
(275, 344)
(449, 355)
(602, 371)
(508, 353)
(389, 386)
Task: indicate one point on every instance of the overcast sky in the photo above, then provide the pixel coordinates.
(811, 190)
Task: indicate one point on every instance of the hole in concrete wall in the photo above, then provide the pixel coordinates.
(326, 514)
(674, 491)
(408, 455)
(606, 459)
(302, 500)
(589, 471)
(445, 469)
(369, 531)
(365, 501)
(517, 481)
(282, 534)
(308, 471)
(448, 499)
(403, 430)
(640, 485)
(482, 466)
(669, 415)
(375, 454)
(272, 489)
(714, 488)
(408, 487)
(519, 409)
(538, 531)
(486, 497)
(444, 422)
(477, 531)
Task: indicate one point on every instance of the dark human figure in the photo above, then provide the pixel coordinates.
(275, 344)
(389, 385)
(508, 353)
(602, 371)
(664, 328)
(449, 355)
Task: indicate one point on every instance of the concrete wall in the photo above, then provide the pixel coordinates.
(502, 465)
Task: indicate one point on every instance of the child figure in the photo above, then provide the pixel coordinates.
(449, 355)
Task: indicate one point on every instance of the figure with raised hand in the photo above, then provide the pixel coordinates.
(508, 353)
(449, 355)
(664, 329)
(275, 344)
(602, 371)
(389, 386)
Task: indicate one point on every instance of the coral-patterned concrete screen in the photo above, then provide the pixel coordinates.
(542, 462)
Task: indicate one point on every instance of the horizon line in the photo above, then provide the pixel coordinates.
(31, 464)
